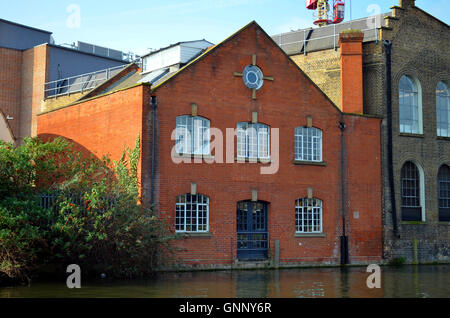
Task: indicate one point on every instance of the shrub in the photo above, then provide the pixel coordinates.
(95, 220)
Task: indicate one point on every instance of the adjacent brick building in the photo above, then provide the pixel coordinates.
(406, 75)
(28, 60)
(295, 181)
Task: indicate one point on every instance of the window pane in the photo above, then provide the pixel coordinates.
(308, 215)
(192, 214)
(410, 186)
(192, 135)
(409, 106)
(308, 144)
(253, 141)
(443, 110)
(444, 187)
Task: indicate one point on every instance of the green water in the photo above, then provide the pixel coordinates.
(406, 281)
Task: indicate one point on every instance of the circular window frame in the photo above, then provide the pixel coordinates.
(259, 82)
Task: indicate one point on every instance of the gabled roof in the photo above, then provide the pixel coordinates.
(231, 37)
(160, 82)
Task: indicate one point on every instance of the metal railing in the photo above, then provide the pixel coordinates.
(81, 83)
(335, 35)
(52, 200)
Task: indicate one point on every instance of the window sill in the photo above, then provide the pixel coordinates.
(444, 222)
(309, 235)
(252, 160)
(309, 163)
(443, 138)
(193, 234)
(192, 156)
(411, 135)
(413, 223)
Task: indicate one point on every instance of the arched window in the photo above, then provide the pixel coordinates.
(308, 144)
(192, 213)
(253, 141)
(443, 110)
(410, 106)
(444, 193)
(193, 135)
(308, 216)
(412, 187)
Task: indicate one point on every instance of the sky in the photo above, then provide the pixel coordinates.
(143, 25)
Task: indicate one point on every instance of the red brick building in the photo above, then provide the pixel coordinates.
(295, 181)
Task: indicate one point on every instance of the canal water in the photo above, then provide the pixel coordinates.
(405, 281)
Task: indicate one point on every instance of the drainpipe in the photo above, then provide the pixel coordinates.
(154, 103)
(344, 238)
(388, 50)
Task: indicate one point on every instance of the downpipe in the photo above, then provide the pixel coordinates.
(344, 238)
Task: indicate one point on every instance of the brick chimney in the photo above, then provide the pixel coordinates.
(407, 3)
(351, 71)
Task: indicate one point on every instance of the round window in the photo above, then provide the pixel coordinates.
(253, 77)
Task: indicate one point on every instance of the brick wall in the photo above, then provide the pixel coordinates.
(101, 126)
(10, 86)
(284, 104)
(418, 49)
(34, 75)
(105, 124)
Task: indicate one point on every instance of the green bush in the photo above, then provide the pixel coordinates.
(95, 221)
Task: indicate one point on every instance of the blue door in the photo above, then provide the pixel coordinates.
(252, 234)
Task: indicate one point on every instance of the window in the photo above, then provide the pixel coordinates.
(443, 110)
(308, 144)
(192, 135)
(308, 215)
(444, 193)
(410, 106)
(192, 213)
(412, 192)
(253, 141)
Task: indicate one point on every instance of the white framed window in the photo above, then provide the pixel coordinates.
(443, 110)
(193, 135)
(308, 144)
(308, 216)
(253, 141)
(410, 101)
(192, 213)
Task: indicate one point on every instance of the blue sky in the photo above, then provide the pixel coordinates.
(139, 25)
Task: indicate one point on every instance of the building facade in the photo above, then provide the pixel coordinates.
(29, 60)
(248, 161)
(406, 78)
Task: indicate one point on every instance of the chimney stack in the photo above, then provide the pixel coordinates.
(350, 42)
(407, 3)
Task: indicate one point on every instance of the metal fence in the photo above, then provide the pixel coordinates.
(52, 201)
(80, 83)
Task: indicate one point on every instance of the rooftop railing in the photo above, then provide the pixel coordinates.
(300, 47)
(81, 83)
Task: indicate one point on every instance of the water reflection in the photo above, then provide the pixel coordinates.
(406, 281)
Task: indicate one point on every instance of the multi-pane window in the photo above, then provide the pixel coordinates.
(443, 110)
(308, 215)
(444, 193)
(410, 116)
(193, 135)
(192, 213)
(253, 141)
(411, 195)
(308, 144)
